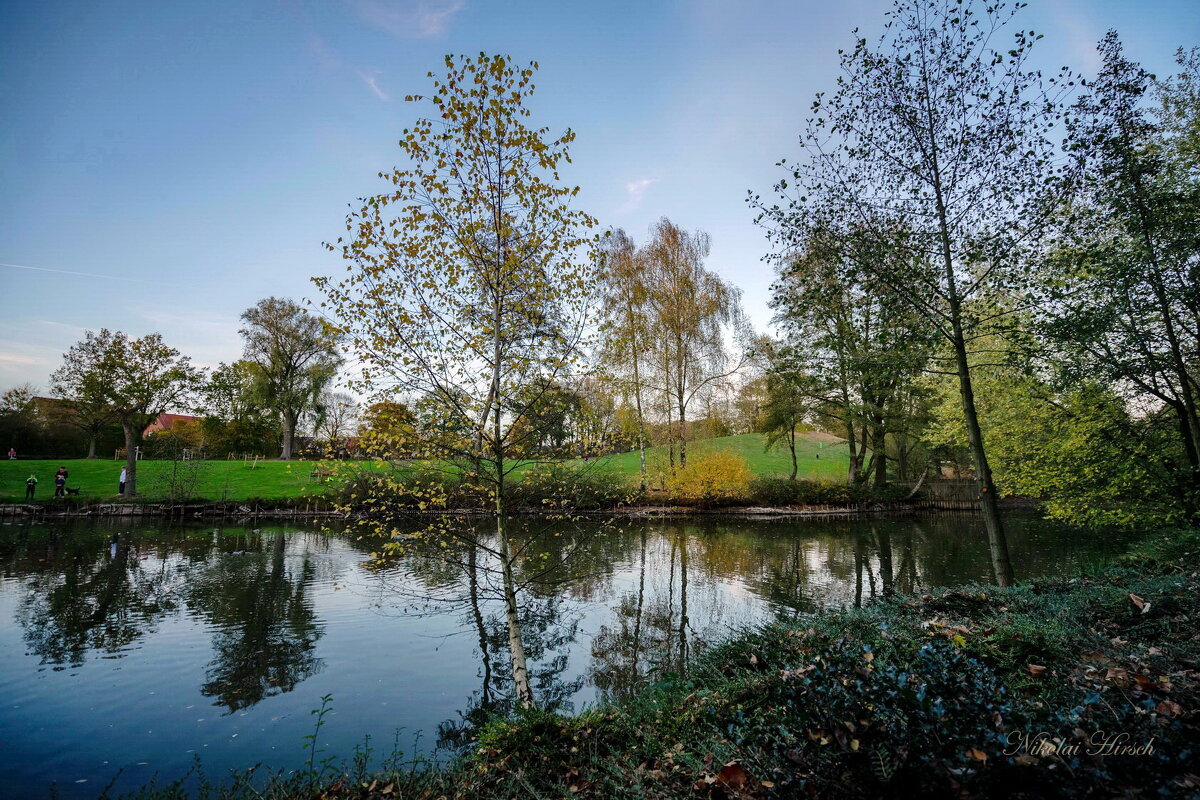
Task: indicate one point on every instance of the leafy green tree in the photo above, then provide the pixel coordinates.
(935, 141)
(138, 378)
(294, 356)
(18, 416)
(89, 412)
(1080, 451)
(470, 285)
(1121, 289)
(234, 420)
(858, 344)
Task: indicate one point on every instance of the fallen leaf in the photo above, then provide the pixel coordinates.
(1141, 603)
(977, 754)
(1036, 669)
(1170, 708)
(733, 775)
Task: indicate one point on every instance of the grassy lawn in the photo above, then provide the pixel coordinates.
(231, 480)
(821, 457)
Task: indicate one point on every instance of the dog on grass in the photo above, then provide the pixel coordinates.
(72, 491)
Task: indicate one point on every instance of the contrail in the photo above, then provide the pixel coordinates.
(69, 272)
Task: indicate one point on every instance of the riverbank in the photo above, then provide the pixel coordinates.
(323, 507)
(1076, 687)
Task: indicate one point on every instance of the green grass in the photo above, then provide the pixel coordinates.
(820, 457)
(230, 480)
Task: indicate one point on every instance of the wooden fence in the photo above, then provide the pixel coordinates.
(949, 495)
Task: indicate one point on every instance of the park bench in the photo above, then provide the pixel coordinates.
(320, 474)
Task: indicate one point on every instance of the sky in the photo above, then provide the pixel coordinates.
(165, 165)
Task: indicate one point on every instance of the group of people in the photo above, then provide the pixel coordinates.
(60, 484)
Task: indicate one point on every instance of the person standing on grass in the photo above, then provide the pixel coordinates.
(60, 482)
(121, 482)
(30, 485)
(12, 454)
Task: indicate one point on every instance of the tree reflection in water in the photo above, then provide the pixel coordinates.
(265, 629)
(83, 597)
(86, 597)
(642, 599)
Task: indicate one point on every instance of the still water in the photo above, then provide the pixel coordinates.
(127, 649)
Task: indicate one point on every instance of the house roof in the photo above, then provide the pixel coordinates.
(166, 421)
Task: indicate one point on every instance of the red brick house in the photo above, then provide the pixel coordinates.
(166, 421)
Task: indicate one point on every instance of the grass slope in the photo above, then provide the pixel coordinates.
(819, 456)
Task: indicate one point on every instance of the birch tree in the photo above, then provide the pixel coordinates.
(696, 318)
(470, 286)
(626, 326)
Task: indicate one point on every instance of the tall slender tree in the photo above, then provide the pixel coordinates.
(626, 325)
(697, 318)
(1121, 289)
(940, 129)
(470, 286)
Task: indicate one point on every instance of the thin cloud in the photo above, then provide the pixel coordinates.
(634, 192)
(70, 272)
(408, 19)
(369, 79)
(12, 358)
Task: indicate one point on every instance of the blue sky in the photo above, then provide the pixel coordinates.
(195, 155)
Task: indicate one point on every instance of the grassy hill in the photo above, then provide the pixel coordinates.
(820, 456)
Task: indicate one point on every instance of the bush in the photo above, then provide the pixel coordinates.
(557, 486)
(710, 478)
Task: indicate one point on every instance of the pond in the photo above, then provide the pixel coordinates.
(127, 649)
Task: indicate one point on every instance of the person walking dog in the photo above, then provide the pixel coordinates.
(30, 485)
(60, 482)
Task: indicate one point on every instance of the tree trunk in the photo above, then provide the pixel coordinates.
(637, 399)
(792, 447)
(997, 541)
(289, 431)
(516, 645)
(682, 430)
(91, 446)
(853, 443)
(131, 440)
(879, 444)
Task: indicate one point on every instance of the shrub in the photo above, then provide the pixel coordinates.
(556, 486)
(710, 478)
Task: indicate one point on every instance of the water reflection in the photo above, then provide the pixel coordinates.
(85, 599)
(262, 623)
(265, 629)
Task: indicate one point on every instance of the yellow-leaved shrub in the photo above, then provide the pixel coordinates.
(710, 477)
